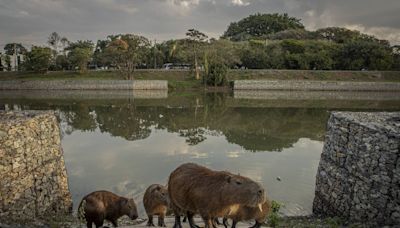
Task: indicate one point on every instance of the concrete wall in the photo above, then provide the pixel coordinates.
(359, 173)
(33, 176)
(84, 85)
(315, 85)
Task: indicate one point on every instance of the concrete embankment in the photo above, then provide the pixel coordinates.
(315, 85)
(85, 85)
(84, 94)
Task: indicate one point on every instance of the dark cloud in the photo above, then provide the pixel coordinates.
(31, 21)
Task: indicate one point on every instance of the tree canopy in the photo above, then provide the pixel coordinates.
(261, 25)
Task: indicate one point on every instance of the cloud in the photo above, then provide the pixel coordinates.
(240, 3)
(31, 21)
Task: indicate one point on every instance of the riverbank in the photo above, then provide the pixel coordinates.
(184, 79)
(124, 222)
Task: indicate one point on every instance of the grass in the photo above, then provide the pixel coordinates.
(184, 80)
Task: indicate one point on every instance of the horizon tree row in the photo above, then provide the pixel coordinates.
(259, 41)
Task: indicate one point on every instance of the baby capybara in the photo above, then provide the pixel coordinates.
(245, 213)
(101, 205)
(212, 194)
(156, 202)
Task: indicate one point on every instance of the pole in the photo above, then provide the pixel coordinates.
(155, 57)
(15, 58)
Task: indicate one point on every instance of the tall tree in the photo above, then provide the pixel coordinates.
(127, 52)
(260, 25)
(38, 59)
(57, 42)
(12, 48)
(80, 53)
(196, 37)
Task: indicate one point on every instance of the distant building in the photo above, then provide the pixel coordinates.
(11, 62)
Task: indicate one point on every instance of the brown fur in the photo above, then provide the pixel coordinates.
(197, 189)
(156, 202)
(245, 213)
(101, 205)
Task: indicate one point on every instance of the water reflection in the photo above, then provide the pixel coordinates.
(124, 145)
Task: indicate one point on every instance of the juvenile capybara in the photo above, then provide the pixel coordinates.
(212, 194)
(156, 202)
(246, 213)
(101, 205)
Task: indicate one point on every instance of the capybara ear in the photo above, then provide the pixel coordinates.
(228, 178)
(158, 188)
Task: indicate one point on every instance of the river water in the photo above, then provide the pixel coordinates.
(124, 142)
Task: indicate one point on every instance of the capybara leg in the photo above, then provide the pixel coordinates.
(217, 221)
(89, 224)
(234, 224)
(177, 223)
(225, 222)
(257, 225)
(161, 221)
(115, 223)
(189, 216)
(150, 221)
(184, 219)
(208, 222)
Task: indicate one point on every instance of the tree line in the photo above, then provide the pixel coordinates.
(259, 41)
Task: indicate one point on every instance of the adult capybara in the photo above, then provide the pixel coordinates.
(196, 189)
(101, 205)
(156, 202)
(245, 213)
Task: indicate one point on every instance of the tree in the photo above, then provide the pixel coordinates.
(360, 55)
(294, 34)
(196, 37)
(100, 57)
(127, 52)
(38, 59)
(260, 26)
(57, 42)
(12, 48)
(80, 53)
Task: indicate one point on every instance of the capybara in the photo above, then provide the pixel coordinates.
(101, 205)
(212, 194)
(245, 213)
(156, 202)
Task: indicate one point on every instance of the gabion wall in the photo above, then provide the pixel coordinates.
(358, 177)
(33, 179)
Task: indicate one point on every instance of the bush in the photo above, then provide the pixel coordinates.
(273, 218)
(38, 59)
(216, 74)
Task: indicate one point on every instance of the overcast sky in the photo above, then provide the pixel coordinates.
(31, 21)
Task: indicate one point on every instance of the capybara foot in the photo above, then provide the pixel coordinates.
(150, 223)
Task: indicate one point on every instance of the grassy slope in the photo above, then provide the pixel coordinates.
(185, 79)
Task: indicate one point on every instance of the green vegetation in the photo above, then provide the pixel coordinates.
(274, 218)
(260, 41)
(38, 59)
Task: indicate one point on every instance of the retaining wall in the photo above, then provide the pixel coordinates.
(33, 176)
(85, 85)
(358, 177)
(315, 85)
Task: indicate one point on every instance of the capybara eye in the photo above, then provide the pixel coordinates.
(238, 182)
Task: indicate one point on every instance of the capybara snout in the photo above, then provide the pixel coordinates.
(250, 193)
(130, 209)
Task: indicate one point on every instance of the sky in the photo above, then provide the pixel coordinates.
(30, 22)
